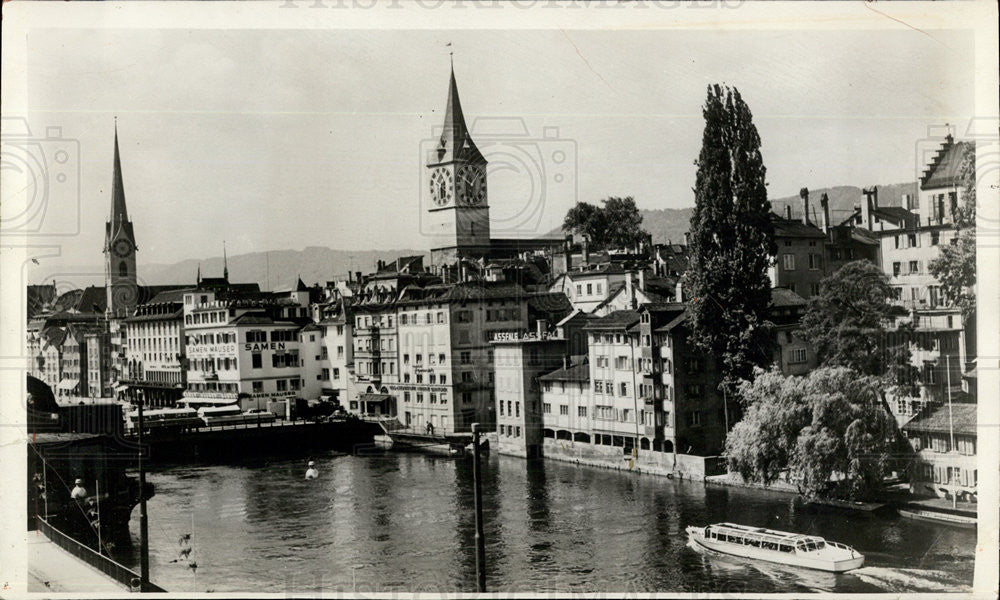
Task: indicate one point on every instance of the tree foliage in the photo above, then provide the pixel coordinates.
(732, 241)
(850, 323)
(955, 266)
(830, 429)
(617, 223)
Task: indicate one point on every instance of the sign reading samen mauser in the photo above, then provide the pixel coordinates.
(211, 350)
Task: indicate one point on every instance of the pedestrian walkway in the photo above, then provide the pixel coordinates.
(52, 569)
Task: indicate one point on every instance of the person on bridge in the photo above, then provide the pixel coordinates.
(78, 492)
(311, 472)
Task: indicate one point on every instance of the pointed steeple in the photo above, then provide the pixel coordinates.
(456, 142)
(225, 262)
(119, 213)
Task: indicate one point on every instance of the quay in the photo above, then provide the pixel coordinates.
(58, 563)
(255, 438)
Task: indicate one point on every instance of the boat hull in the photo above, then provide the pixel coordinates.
(938, 517)
(786, 558)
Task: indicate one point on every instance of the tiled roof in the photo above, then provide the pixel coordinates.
(619, 319)
(605, 269)
(579, 372)
(782, 297)
(170, 296)
(792, 228)
(940, 420)
(896, 214)
(945, 168)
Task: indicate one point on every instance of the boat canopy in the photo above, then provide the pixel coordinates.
(763, 534)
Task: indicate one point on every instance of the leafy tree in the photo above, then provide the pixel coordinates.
(830, 429)
(955, 267)
(615, 224)
(732, 241)
(585, 219)
(848, 324)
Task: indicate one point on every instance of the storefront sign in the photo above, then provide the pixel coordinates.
(260, 346)
(204, 350)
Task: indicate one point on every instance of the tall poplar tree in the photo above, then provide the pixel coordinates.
(732, 241)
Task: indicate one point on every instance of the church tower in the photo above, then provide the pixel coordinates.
(119, 249)
(456, 211)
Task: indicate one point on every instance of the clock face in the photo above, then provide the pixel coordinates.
(122, 248)
(441, 193)
(472, 182)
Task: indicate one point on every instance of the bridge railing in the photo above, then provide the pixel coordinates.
(120, 573)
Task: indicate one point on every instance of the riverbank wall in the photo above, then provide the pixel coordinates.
(736, 480)
(649, 462)
(350, 436)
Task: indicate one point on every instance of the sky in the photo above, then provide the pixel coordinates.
(279, 139)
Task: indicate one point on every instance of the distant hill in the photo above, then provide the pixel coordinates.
(670, 224)
(274, 270)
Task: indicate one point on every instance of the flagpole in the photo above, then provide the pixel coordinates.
(100, 542)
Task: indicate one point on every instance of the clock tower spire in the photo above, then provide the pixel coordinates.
(119, 248)
(458, 216)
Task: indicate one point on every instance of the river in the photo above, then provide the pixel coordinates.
(404, 522)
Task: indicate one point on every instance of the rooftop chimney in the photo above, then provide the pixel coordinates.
(357, 276)
(585, 252)
(824, 202)
(788, 212)
(629, 290)
(867, 205)
(642, 280)
(804, 195)
(687, 238)
(679, 292)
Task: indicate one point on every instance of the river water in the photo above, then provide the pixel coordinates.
(404, 522)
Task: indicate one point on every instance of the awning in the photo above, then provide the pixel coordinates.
(208, 401)
(121, 386)
(68, 384)
(375, 398)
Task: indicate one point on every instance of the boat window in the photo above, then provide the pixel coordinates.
(810, 546)
(820, 544)
(785, 548)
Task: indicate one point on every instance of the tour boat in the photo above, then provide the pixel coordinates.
(777, 546)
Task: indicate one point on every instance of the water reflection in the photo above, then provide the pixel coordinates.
(405, 523)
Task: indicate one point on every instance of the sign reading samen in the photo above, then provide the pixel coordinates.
(258, 346)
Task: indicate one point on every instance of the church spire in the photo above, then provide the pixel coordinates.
(119, 213)
(456, 142)
(225, 262)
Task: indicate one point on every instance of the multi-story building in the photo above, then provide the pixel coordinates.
(792, 354)
(619, 415)
(73, 381)
(338, 323)
(519, 360)
(446, 375)
(591, 285)
(155, 353)
(908, 243)
(800, 262)
(313, 359)
(99, 363)
(944, 439)
(245, 347)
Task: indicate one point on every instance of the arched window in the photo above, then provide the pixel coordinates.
(123, 269)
